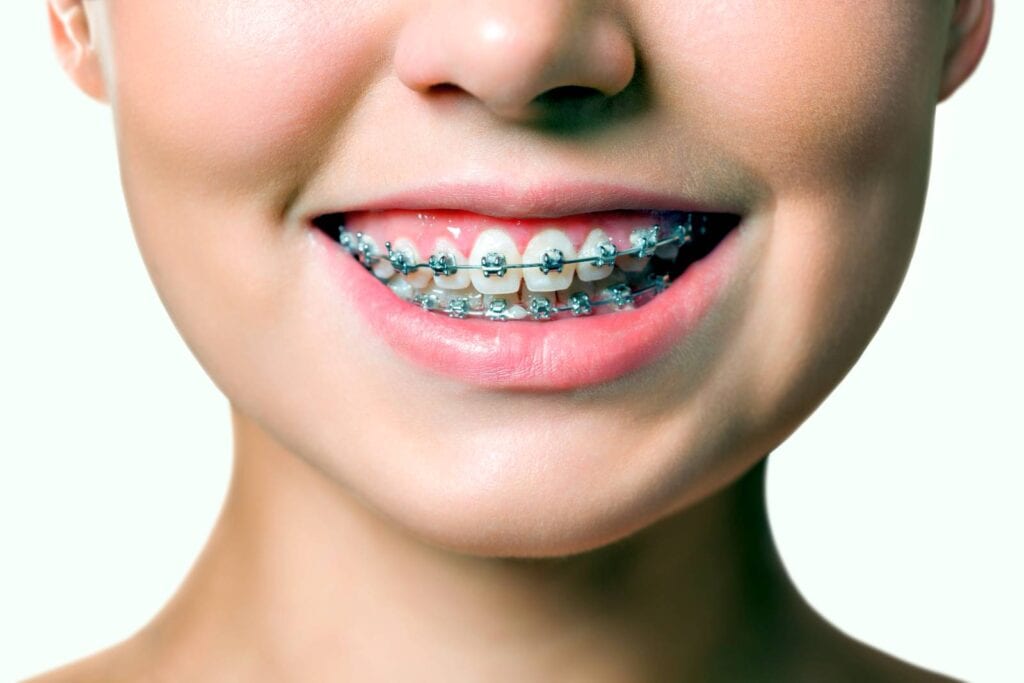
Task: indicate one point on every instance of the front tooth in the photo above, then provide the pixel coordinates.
(499, 242)
(460, 278)
(551, 242)
(421, 277)
(586, 270)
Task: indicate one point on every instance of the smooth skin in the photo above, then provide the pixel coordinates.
(448, 533)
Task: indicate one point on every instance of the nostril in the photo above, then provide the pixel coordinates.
(567, 95)
(444, 89)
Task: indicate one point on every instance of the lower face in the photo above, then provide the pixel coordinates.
(801, 130)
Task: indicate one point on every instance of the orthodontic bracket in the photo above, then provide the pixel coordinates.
(644, 242)
(540, 308)
(494, 263)
(443, 263)
(552, 259)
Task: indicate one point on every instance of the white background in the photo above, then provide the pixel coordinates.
(897, 506)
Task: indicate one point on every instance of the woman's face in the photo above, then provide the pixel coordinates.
(239, 121)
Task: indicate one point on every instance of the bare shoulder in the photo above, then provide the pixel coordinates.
(125, 662)
(803, 646)
(839, 657)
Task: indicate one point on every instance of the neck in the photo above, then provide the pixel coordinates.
(302, 581)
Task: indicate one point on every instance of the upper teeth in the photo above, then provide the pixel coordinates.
(495, 251)
(599, 246)
(495, 266)
(550, 249)
(488, 283)
(445, 263)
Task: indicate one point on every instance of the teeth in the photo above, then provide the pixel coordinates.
(473, 298)
(517, 312)
(549, 247)
(401, 287)
(579, 298)
(490, 283)
(614, 288)
(445, 255)
(592, 246)
(381, 267)
(645, 239)
(417, 278)
(541, 305)
(500, 251)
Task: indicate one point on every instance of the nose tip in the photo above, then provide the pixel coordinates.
(509, 54)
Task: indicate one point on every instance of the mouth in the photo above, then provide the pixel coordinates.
(468, 265)
(533, 304)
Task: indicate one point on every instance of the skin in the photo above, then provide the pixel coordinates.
(407, 552)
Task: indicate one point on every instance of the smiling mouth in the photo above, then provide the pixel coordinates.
(468, 265)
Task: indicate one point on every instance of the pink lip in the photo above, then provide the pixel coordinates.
(556, 355)
(550, 199)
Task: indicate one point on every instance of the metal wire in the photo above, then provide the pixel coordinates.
(645, 242)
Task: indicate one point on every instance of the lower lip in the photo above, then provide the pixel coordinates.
(556, 355)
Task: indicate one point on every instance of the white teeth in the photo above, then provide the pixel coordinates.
(417, 278)
(545, 247)
(499, 242)
(382, 268)
(607, 289)
(517, 312)
(474, 298)
(509, 299)
(401, 287)
(460, 278)
(541, 305)
(587, 271)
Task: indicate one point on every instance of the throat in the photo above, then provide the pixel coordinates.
(670, 598)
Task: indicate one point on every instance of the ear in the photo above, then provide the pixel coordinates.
(73, 40)
(968, 36)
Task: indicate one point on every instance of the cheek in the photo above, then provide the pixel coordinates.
(808, 93)
(829, 105)
(237, 93)
(221, 109)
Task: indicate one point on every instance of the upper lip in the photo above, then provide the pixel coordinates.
(552, 199)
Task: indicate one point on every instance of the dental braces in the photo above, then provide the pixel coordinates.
(644, 242)
(580, 304)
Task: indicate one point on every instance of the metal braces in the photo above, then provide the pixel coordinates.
(644, 240)
(540, 308)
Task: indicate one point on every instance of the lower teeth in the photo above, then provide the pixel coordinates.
(621, 290)
(612, 294)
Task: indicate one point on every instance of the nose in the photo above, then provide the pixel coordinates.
(512, 54)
